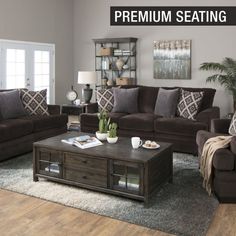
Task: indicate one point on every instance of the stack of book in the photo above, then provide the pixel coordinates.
(126, 52)
(117, 52)
(74, 126)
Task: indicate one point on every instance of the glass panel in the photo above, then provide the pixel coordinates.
(133, 184)
(118, 169)
(20, 69)
(42, 71)
(126, 177)
(11, 55)
(15, 68)
(20, 56)
(37, 56)
(11, 69)
(45, 57)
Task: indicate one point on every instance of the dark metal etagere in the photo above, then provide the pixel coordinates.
(112, 72)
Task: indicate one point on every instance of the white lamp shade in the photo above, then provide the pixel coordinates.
(87, 77)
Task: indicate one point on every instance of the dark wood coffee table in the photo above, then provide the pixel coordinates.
(111, 168)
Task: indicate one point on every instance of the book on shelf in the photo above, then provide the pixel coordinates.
(53, 167)
(83, 142)
(74, 127)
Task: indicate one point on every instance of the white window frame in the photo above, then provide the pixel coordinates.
(29, 48)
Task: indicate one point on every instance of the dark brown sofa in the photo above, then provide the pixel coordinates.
(17, 135)
(224, 161)
(181, 132)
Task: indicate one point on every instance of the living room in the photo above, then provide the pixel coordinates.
(67, 29)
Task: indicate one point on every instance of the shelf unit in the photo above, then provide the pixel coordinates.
(105, 64)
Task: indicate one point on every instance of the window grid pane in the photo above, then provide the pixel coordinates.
(42, 71)
(15, 68)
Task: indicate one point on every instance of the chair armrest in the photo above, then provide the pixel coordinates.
(220, 126)
(207, 115)
(54, 109)
(92, 108)
(224, 160)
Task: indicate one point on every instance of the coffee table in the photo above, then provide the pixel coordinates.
(111, 168)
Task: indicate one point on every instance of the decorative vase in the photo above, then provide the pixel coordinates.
(110, 82)
(120, 63)
(112, 140)
(101, 136)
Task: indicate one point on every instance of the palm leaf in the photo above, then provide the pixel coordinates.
(213, 66)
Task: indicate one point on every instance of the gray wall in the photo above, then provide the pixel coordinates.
(45, 21)
(91, 20)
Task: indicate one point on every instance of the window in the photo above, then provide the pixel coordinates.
(27, 65)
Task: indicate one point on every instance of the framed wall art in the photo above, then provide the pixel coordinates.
(172, 59)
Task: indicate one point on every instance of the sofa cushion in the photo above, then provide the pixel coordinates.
(11, 105)
(208, 96)
(115, 116)
(232, 127)
(138, 121)
(14, 128)
(147, 99)
(35, 102)
(125, 100)
(178, 126)
(47, 122)
(166, 103)
(105, 99)
(189, 104)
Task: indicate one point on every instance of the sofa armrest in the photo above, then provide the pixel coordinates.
(220, 126)
(54, 109)
(233, 145)
(207, 115)
(224, 160)
(92, 108)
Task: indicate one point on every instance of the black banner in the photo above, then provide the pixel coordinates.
(172, 15)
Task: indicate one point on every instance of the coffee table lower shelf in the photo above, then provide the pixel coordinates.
(136, 178)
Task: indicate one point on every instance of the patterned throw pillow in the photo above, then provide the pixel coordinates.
(105, 99)
(189, 104)
(35, 102)
(232, 127)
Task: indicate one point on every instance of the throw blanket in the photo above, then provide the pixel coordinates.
(209, 149)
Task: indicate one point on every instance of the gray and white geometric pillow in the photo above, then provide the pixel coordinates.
(232, 127)
(189, 104)
(105, 99)
(35, 102)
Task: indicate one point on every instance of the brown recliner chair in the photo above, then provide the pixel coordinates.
(224, 161)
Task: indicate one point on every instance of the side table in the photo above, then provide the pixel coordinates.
(73, 112)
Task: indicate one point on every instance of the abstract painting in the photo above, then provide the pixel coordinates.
(172, 59)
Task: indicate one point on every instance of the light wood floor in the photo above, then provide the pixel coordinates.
(28, 216)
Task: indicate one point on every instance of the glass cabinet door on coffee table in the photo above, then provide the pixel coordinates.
(50, 163)
(126, 177)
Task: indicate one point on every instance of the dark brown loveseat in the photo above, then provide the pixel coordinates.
(181, 132)
(224, 161)
(17, 135)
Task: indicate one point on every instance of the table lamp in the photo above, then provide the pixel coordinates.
(87, 77)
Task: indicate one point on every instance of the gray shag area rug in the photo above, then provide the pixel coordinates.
(182, 207)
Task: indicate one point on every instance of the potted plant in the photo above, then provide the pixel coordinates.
(112, 133)
(226, 75)
(103, 125)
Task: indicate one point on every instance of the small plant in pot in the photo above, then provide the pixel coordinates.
(103, 125)
(112, 133)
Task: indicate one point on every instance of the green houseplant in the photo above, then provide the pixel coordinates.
(103, 125)
(225, 75)
(112, 133)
